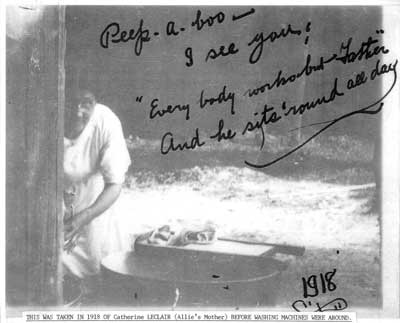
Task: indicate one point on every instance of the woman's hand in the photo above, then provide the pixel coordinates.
(73, 227)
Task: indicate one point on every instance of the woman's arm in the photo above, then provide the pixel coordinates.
(106, 198)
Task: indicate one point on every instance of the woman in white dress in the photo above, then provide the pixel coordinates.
(95, 162)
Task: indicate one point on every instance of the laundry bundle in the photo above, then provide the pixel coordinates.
(167, 236)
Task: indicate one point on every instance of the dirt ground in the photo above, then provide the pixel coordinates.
(322, 199)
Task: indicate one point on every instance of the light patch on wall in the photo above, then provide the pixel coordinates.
(20, 19)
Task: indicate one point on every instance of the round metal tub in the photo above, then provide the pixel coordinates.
(221, 280)
(72, 291)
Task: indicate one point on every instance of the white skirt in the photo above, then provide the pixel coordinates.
(104, 235)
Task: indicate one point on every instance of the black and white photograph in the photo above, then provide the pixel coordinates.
(207, 157)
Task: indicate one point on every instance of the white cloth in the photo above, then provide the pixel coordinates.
(99, 155)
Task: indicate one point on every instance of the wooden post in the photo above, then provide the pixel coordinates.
(62, 39)
(35, 105)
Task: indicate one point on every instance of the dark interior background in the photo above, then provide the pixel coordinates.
(118, 76)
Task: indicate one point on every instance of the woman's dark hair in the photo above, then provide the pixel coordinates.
(87, 92)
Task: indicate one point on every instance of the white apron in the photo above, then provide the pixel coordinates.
(97, 156)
